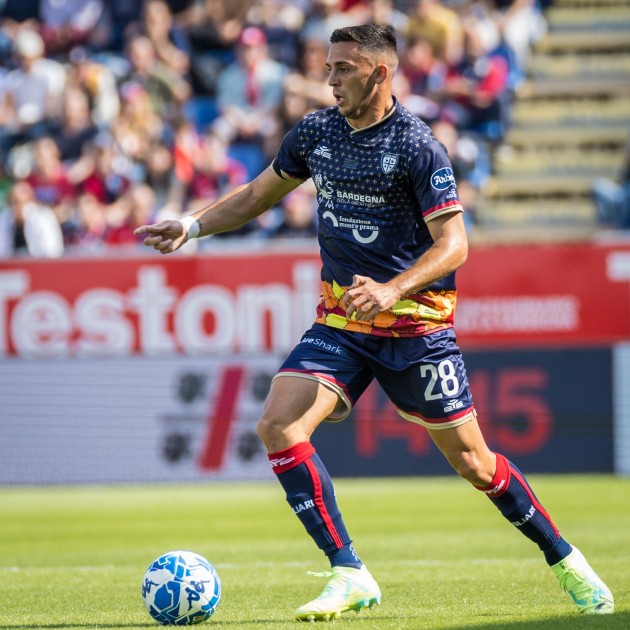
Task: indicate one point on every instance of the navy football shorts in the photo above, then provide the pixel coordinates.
(423, 376)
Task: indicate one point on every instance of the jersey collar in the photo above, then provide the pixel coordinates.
(385, 118)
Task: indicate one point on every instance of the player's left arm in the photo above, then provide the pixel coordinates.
(367, 298)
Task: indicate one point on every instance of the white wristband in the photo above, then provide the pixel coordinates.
(192, 227)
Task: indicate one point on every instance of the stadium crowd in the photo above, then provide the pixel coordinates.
(116, 114)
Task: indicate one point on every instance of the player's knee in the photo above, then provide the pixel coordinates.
(273, 431)
(267, 428)
(471, 467)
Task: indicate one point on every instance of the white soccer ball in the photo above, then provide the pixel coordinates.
(181, 588)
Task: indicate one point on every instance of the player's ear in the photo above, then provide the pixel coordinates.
(381, 72)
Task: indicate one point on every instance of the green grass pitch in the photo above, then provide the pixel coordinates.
(443, 556)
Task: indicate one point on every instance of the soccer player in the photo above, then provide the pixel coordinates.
(391, 236)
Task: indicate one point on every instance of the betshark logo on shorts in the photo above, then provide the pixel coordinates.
(388, 162)
(443, 178)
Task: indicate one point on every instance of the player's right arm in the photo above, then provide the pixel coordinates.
(227, 213)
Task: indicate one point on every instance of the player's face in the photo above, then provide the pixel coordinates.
(352, 77)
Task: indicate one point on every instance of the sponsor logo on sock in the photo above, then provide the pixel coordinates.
(307, 505)
(281, 461)
(527, 517)
(496, 489)
(354, 553)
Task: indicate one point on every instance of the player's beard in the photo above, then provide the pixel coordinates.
(364, 100)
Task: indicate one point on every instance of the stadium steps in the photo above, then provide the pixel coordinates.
(583, 65)
(555, 212)
(543, 162)
(609, 116)
(590, 3)
(570, 124)
(580, 40)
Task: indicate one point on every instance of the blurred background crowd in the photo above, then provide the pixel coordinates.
(121, 112)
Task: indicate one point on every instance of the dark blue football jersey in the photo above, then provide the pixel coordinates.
(376, 188)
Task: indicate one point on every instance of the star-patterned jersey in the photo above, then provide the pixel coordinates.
(376, 188)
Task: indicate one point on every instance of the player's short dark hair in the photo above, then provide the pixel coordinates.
(373, 38)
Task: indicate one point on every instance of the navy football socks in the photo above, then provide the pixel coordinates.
(310, 494)
(514, 498)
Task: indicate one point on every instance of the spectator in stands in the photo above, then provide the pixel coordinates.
(137, 127)
(612, 197)
(6, 183)
(99, 202)
(471, 166)
(19, 13)
(298, 218)
(182, 10)
(305, 89)
(29, 227)
(105, 183)
(324, 17)
(468, 156)
(160, 176)
(385, 12)
(69, 23)
(213, 27)
(310, 79)
(99, 83)
(281, 23)
(170, 42)
(31, 98)
(15, 16)
(139, 204)
(475, 91)
(167, 90)
(481, 16)
(119, 14)
(521, 24)
(91, 227)
(215, 172)
(76, 127)
(440, 26)
(420, 79)
(223, 20)
(187, 144)
(212, 33)
(51, 184)
(250, 92)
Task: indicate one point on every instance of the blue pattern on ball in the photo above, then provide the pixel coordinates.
(181, 588)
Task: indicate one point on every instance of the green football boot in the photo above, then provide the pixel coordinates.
(577, 578)
(347, 589)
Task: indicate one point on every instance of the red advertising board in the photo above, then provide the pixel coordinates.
(261, 301)
(547, 294)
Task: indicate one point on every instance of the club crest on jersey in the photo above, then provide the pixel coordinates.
(388, 162)
(443, 178)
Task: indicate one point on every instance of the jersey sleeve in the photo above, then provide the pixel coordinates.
(432, 178)
(291, 162)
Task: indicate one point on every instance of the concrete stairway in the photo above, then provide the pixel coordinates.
(571, 122)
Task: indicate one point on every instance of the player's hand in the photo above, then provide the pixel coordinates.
(366, 298)
(164, 237)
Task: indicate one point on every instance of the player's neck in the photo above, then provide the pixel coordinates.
(370, 121)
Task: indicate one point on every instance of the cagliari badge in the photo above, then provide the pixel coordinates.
(388, 162)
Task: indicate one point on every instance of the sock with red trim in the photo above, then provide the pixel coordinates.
(515, 499)
(310, 494)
